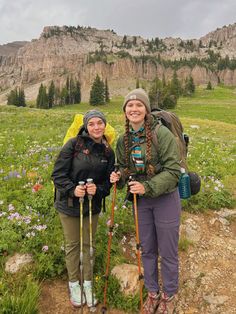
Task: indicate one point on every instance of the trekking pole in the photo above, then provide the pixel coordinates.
(138, 247)
(111, 226)
(81, 200)
(90, 197)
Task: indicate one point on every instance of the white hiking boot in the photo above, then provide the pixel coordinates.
(88, 294)
(75, 294)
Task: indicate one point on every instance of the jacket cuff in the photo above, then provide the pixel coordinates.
(147, 188)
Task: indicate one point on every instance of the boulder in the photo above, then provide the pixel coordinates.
(127, 274)
(17, 261)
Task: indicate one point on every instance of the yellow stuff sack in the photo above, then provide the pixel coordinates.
(78, 122)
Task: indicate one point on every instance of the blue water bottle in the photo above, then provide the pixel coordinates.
(184, 185)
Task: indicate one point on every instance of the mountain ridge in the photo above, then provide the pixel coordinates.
(83, 52)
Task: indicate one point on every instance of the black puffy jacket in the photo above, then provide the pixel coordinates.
(78, 163)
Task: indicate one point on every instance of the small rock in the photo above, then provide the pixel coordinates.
(127, 274)
(191, 234)
(215, 299)
(17, 261)
(226, 213)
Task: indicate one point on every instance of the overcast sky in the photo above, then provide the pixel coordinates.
(25, 19)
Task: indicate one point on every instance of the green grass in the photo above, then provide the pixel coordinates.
(20, 297)
(218, 104)
(30, 140)
(184, 244)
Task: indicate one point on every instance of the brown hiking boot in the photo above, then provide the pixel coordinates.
(167, 304)
(151, 303)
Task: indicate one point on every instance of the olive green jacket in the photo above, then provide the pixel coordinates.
(165, 158)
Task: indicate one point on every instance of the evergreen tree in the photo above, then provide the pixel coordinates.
(66, 92)
(12, 97)
(107, 94)
(169, 101)
(200, 45)
(155, 93)
(191, 84)
(39, 97)
(42, 98)
(51, 95)
(44, 104)
(57, 97)
(163, 80)
(64, 96)
(124, 40)
(209, 86)
(97, 93)
(77, 93)
(189, 87)
(175, 86)
(71, 91)
(21, 98)
(16, 98)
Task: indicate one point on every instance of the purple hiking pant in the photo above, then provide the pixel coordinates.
(159, 220)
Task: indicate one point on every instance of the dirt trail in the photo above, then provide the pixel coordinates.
(207, 269)
(54, 300)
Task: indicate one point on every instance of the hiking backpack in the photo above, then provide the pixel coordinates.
(173, 123)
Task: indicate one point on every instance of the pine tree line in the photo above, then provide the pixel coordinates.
(69, 94)
(16, 97)
(163, 95)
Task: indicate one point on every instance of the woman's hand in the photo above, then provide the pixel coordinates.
(91, 188)
(136, 187)
(115, 176)
(80, 190)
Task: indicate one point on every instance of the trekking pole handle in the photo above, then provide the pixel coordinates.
(89, 181)
(116, 165)
(81, 183)
(132, 178)
(128, 191)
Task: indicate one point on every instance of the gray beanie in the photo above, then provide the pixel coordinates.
(138, 94)
(92, 114)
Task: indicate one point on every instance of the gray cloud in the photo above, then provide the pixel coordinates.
(25, 19)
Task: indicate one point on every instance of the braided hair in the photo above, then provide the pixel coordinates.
(147, 126)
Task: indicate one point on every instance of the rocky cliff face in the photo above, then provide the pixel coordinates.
(223, 40)
(63, 51)
(11, 48)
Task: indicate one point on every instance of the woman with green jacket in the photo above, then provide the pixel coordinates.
(156, 173)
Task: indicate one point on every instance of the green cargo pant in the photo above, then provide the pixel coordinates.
(71, 229)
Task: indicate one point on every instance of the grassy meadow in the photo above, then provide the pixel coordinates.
(30, 140)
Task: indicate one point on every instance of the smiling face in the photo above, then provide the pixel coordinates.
(135, 112)
(96, 129)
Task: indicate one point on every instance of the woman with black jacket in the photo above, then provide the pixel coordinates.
(87, 156)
